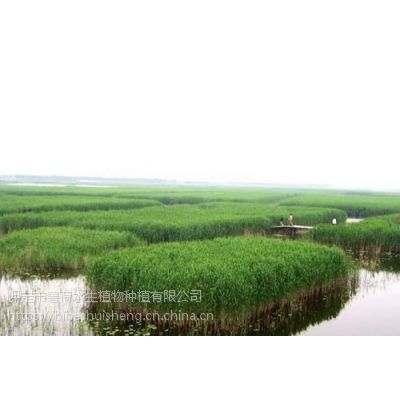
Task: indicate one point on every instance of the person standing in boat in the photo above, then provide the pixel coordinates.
(281, 222)
(290, 220)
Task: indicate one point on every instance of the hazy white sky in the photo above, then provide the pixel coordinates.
(267, 91)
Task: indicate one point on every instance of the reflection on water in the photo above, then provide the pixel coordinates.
(284, 318)
(42, 306)
(374, 310)
(366, 302)
(374, 259)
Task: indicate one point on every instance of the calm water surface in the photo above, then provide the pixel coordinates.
(374, 309)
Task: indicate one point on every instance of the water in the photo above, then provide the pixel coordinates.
(354, 220)
(373, 310)
(42, 306)
(364, 303)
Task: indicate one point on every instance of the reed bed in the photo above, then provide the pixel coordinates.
(377, 233)
(231, 273)
(61, 247)
(355, 205)
(21, 204)
(165, 195)
(175, 223)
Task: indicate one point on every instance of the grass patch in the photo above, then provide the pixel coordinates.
(356, 205)
(378, 233)
(21, 204)
(55, 248)
(176, 223)
(166, 195)
(232, 273)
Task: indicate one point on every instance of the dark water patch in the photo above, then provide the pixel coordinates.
(375, 259)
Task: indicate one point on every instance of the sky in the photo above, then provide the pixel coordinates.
(247, 91)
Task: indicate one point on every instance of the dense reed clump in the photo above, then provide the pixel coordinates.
(61, 247)
(230, 272)
(373, 233)
(355, 205)
(185, 196)
(166, 195)
(21, 204)
(174, 223)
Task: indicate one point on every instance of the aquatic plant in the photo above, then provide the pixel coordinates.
(231, 273)
(377, 233)
(166, 195)
(179, 222)
(60, 247)
(355, 205)
(22, 204)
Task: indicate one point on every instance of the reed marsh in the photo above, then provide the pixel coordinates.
(231, 273)
(178, 222)
(58, 248)
(372, 234)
